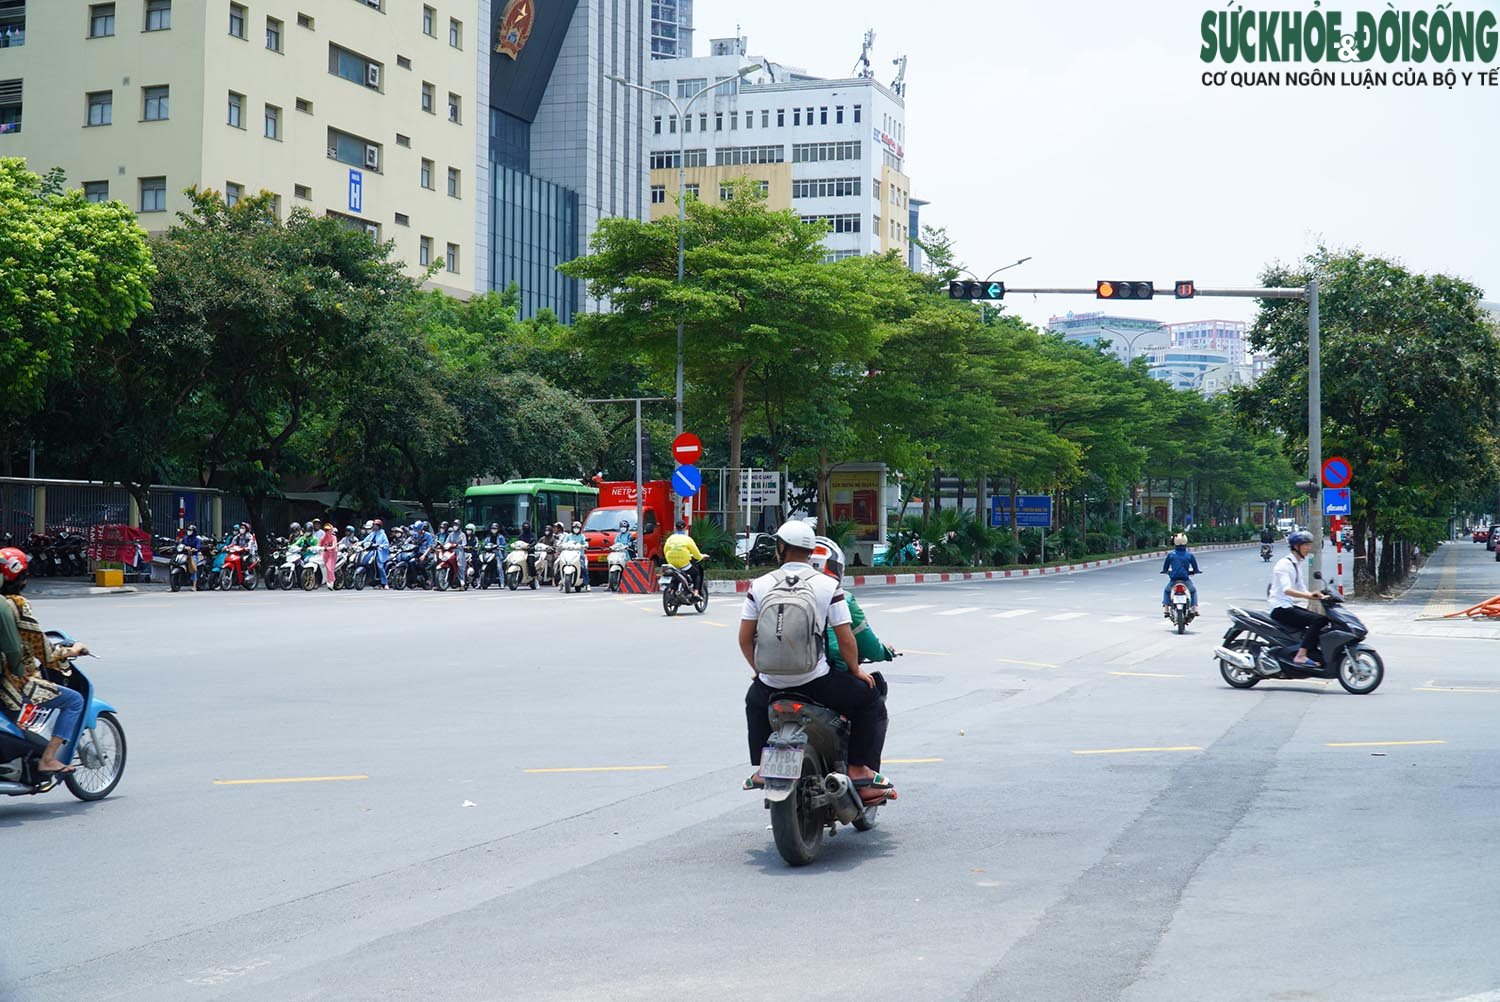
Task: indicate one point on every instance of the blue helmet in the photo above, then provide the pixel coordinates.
(1299, 537)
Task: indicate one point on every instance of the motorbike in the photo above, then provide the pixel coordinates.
(311, 577)
(1181, 608)
(677, 591)
(619, 556)
(542, 553)
(240, 567)
(1257, 647)
(571, 574)
(343, 567)
(289, 576)
(367, 567)
(275, 555)
(517, 567)
(805, 770)
(97, 745)
(488, 564)
(398, 572)
(445, 576)
(181, 573)
(1266, 552)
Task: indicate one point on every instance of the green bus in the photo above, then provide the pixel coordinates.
(539, 501)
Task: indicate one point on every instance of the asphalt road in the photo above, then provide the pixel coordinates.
(533, 796)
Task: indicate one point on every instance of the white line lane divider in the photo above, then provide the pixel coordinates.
(1064, 616)
(1122, 619)
(1012, 613)
(960, 612)
(906, 608)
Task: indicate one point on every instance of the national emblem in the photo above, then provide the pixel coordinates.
(515, 27)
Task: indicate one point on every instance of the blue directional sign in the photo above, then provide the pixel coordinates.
(356, 191)
(686, 481)
(1336, 501)
(1033, 510)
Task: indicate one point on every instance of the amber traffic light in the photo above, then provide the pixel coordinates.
(1115, 289)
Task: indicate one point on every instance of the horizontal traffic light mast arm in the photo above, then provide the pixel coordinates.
(1268, 293)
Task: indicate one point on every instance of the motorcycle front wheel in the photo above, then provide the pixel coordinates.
(1361, 671)
(397, 578)
(702, 604)
(309, 579)
(361, 576)
(796, 827)
(176, 583)
(285, 582)
(513, 580)
(251, 579)
(614, 580)
(99, 781)
(442, 579)
(226, 579)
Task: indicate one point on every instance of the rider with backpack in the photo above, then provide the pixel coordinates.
(782, 628)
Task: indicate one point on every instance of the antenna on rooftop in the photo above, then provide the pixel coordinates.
(864, 56)
(898, 85)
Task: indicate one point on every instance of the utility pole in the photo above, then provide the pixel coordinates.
(1314, 430)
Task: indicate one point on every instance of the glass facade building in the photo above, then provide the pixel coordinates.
(535, 229)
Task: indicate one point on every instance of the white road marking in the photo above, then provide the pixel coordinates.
(1063, 616)
(1012, 613)
(960, 612)
(1122, 619)
(908, 608)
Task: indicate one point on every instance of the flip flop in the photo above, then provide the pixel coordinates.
(58, 772)
(753, 782)
(878, 783)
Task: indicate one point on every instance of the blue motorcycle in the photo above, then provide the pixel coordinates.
(97, 747)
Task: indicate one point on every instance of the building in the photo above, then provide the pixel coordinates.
(482, 136)
(1226, 336)
(1124, 337)
(671, 29)
(367, 111)
(832, 150)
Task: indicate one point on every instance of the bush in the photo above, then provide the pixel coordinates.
(715, 543)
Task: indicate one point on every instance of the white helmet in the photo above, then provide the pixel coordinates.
(369, 526)
(797, 533)
(1179, 540)
(827, 558)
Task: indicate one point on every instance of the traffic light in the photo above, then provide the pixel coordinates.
(976, 291)
(1186, 289)
(1124, 290)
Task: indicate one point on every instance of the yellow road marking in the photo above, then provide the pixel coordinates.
(931, 654)
(603, 768)
(1123, 751)
(709, 622)
(292, 779)
(1378, 744)
(907, 761)
(1028, 664)
(1143, 674)
(1449, 688)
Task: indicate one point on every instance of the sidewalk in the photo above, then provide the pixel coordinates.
(1458, 575)
(46, 589)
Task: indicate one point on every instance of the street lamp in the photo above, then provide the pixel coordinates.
(682, 111)
(1131, 339)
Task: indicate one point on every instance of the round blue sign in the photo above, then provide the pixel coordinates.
(686, 481)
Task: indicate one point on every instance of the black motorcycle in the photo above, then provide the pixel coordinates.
(805, 768)
(677, 590)
(1180, 605)
(487, 564)
(1266, 552)
(179, 576)
(1257, 647)
(272, 566)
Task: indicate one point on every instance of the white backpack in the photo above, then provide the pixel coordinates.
(787, 639)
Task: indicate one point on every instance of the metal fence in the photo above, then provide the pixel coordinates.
(16, 512)
(28, 506)
(77, 506)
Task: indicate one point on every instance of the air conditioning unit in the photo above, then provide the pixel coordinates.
(372, 75)
(372, 230)
(372, 157)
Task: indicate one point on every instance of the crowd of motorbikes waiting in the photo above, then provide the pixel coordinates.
(59, 553)
(454, 556)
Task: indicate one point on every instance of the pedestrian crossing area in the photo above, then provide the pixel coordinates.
(1046, 615)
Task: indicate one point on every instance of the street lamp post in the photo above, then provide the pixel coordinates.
(1132, 339)
(682, 111)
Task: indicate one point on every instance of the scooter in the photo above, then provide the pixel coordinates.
(367, 567)
(543, 555)
(240, 567)
(805, 769)
(488, 572)
(180, 575)
(273, 561)
(677, 591)
(570, 572)
(1257, 647)
(518, 568)
(312, 568)
(619, 556)
(1266, 552)
(96, 746)
(446, 575)
(1180, 606)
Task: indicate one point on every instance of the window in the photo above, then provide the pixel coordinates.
(796, 116)
(96, 191)
(765, 118)
(856, 114)
(154, 101)
(101, 107)
(233, 193)
(454, 178)
(718, 121)
(658, 194)
(455, 39)
(427, 174)
(691, 86)
(702, 121)
(726, 156)
(726, 189)
(691, 158)
(822, 116)
(153, 194)
(302, 191)
(453, 258)
(158, 18)
(237, 20)
(424, 251)
(780, 117)
(672, 124)
(273, 122)
(353, 67)
(687, 123)
(429, 98)
(10, 106)
(356, 151)
(275, 206)
(749, 119)
(734, 121)
(304, 105)
(236, 110)
(838, 115)
(273, 34)
(809, 116)
(665, 86)
(691, 190)
(826, 187)
(101, 20)
(403, 140)
(656, 125)
(402, 219)
(695, 158)
(847, 222)
(812, 152)
(403, 62)
(429, 22)
(305, 21)
(455, 107)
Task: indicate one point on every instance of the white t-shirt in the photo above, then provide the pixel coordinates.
(832, 611)
(1287, 573)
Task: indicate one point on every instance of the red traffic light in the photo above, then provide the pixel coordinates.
(1186, 289)
(1114, 289)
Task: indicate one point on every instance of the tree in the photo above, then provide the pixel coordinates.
(71, 273)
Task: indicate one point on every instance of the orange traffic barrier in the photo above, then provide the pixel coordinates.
(1490, 607)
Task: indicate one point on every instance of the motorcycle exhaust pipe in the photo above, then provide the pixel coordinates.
(847, 804)
(9, 789)
(1242, 661)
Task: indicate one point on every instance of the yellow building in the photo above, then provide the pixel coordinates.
(365, 110)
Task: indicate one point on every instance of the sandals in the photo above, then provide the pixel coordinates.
(879, 784)
(753, 782)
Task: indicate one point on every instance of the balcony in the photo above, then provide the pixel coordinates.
(12, 24)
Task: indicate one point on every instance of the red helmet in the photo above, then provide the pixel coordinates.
(12, 563)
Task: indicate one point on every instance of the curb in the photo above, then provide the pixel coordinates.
(89, 592)
(722, 587)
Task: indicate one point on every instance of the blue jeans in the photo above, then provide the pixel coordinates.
(1166, 593)
(70, 705)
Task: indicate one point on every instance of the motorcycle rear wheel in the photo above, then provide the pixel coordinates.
(669, 601)
(866, 821)
(798, 830)
(1237, 677)
(251, 580)
(1181, 619)
(1361, 672)
(96, 784)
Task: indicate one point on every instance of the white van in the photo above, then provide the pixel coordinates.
(1285, 525)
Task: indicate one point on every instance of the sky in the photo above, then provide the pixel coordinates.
(1080, 135)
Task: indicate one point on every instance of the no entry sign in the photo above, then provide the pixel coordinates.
(686, 449)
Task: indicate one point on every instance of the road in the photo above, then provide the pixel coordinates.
(536, 797)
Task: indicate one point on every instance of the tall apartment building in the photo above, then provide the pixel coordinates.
(482, 135)
(365, 110)
(829, 149)
(671, 29)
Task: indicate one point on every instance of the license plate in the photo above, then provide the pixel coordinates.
(781, 762)
(1179, 599)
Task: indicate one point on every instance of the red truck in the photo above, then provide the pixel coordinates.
(616, 505)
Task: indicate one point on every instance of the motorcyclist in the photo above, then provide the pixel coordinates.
(27, 651)
(376, 537)
(577, 536)
(853, 692)
(422, 542)
(626, 536)
(459, 542)
(1288, 589)
(244, 537)
(1267, 537)
(194, 543)
(549, 539)
(1178, 566)
(828, 558)
(682, 552)
(496, 537)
